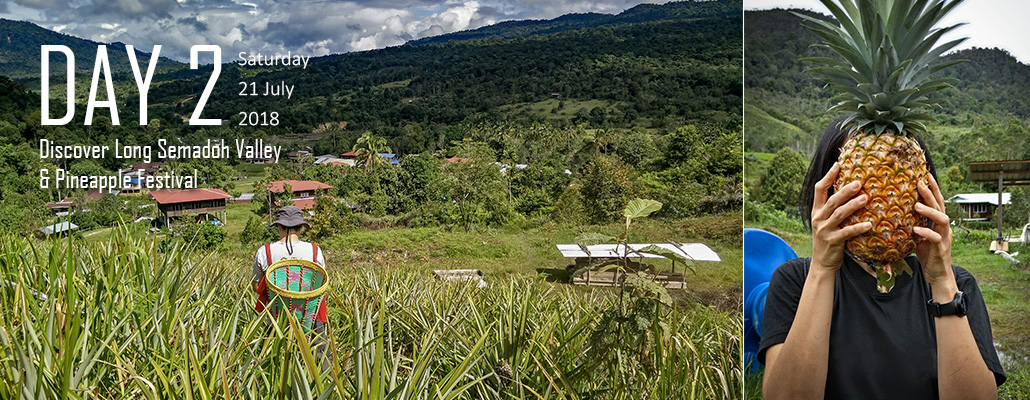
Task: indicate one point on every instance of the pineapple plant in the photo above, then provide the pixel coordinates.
(889, 53)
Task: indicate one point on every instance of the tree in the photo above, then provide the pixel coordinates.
(951, 180)
(780, 184)
(684, 144)
(286, 198)
(205, 236)
(637, 148)
(329, 218)
(606, 188)
(109, 210)
(476, 186)
(367, 150)
(419, 181)
(22, 213)
(1017, 213)
(255, 231)
(569, 208)
(535, 188)
(212, 173)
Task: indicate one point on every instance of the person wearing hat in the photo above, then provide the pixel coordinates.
(289, 220)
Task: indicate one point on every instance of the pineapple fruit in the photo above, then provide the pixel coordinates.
(889, 53)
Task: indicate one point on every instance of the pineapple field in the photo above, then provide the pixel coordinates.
(126, 316)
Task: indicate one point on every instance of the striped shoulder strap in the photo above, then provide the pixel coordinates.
(314, 250)
(268, 253)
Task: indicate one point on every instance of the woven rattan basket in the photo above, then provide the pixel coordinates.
(297, 286)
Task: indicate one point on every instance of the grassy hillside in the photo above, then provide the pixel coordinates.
(764, 131)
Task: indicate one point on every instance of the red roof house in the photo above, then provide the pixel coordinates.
(304, 192)
(181, 202)
(174, 196)
(299, 188)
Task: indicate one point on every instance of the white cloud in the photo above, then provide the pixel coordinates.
(303, 26)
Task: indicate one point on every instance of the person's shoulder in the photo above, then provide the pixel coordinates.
(963, 277)
(794, 270)
(795, 266)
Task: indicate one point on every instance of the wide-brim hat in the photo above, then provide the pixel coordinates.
(289, 217)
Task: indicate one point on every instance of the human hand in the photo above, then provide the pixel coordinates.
(828, 237)
(934, 251)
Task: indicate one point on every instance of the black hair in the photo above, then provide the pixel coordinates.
(827, 153)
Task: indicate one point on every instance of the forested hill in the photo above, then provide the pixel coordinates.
(652, 75)
(786, 107)
(20, 53)
(644, 72)
(637, 14)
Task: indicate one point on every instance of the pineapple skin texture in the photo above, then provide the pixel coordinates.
(889, 167)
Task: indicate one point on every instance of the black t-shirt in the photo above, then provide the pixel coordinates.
(882, 346)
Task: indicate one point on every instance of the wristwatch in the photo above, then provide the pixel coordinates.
(956, 307)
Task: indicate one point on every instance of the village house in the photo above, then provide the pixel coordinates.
(351, 158)
(61, 208)
(242, 198)
(198, 204)
(298, 154)
(136, 173)
(304, 192)
(329, 159)
(58, 229)
(979, 206)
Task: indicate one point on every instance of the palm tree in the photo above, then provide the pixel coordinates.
(367, 150)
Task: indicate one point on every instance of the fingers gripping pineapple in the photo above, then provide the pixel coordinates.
(888, 54)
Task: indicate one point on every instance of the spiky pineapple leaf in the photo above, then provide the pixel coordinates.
(889, 50)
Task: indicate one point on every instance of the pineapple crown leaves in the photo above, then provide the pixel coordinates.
(889, 54)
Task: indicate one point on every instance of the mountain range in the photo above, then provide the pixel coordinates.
(786, 107)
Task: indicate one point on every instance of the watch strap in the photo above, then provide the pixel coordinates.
(955, 307)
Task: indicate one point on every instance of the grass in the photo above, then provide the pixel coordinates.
(571, 107)
(531, 251)
(1004, 286)
(252, 173)
(757, 122)
(237, 215)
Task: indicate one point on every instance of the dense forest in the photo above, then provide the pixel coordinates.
(984, 116)
(646, 103)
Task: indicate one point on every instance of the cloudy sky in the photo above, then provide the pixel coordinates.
(991, 23)
(314, 27)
